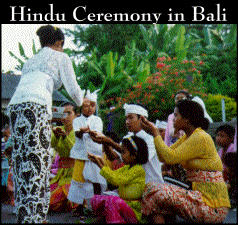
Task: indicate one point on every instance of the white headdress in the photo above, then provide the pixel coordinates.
(200, 102)
(161, 124)
(92, 96)
(135, 109)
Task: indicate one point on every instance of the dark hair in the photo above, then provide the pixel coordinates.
(228, 129)
(206, 123)
(188, 96)
(230, 160)
(142, 149)
(49, 35)
(70, 103)
(193, 112)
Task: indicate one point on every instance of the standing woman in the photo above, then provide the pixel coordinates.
(30, 116)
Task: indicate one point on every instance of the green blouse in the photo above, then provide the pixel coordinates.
(63, 147)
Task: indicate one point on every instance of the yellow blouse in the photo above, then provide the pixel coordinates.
(197, 152)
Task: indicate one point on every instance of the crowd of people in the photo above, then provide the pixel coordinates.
(118, 181)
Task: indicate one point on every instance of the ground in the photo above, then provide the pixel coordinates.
(66, 217)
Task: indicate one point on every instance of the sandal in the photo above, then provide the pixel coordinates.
(78, 211)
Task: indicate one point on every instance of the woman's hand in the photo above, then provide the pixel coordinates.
(59, 132)
(97, 160)
(149, 127)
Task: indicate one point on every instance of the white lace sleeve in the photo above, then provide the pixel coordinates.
(69, 80)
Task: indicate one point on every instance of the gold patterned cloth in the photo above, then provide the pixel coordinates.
(207, 202)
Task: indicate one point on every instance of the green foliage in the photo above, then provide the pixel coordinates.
(113, 74)
(217, 47)
(213, 107)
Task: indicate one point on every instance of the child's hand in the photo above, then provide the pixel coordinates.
(81, 131)
(85, 129)
(97, 160)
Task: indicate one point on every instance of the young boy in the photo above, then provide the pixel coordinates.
(86, 179)
(225, 138)
(153, 166)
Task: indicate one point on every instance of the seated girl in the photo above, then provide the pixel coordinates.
(130, 179)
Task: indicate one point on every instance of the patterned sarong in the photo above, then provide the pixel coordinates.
(170, 199)
(31, 135)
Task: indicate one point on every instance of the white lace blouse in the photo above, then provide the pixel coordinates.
(44, 72)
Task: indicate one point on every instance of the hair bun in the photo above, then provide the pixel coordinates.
(205, 123)
(49, 35)
(45, 30)
(39, 31)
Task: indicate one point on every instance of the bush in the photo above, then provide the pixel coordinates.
(213, 107)
(157, 92)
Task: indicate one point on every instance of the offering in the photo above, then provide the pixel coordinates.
(58, 112)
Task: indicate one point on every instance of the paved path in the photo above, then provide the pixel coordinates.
(63, 217)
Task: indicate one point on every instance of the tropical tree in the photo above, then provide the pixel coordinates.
(217, 47)
(23, 57)
(168, 39)
(105, 38)
(113, 74)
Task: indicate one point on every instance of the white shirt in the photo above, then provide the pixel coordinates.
(45, 71)
(86, 144)
(153, 166)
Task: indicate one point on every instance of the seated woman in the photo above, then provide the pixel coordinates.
(130, 179)
(63, 139)
(207, 201)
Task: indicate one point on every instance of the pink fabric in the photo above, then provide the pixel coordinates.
(55, 165)
(116, 164)
(230, 149)
(168, 128)
(235, 140)
(167, 137)
(113, 208)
